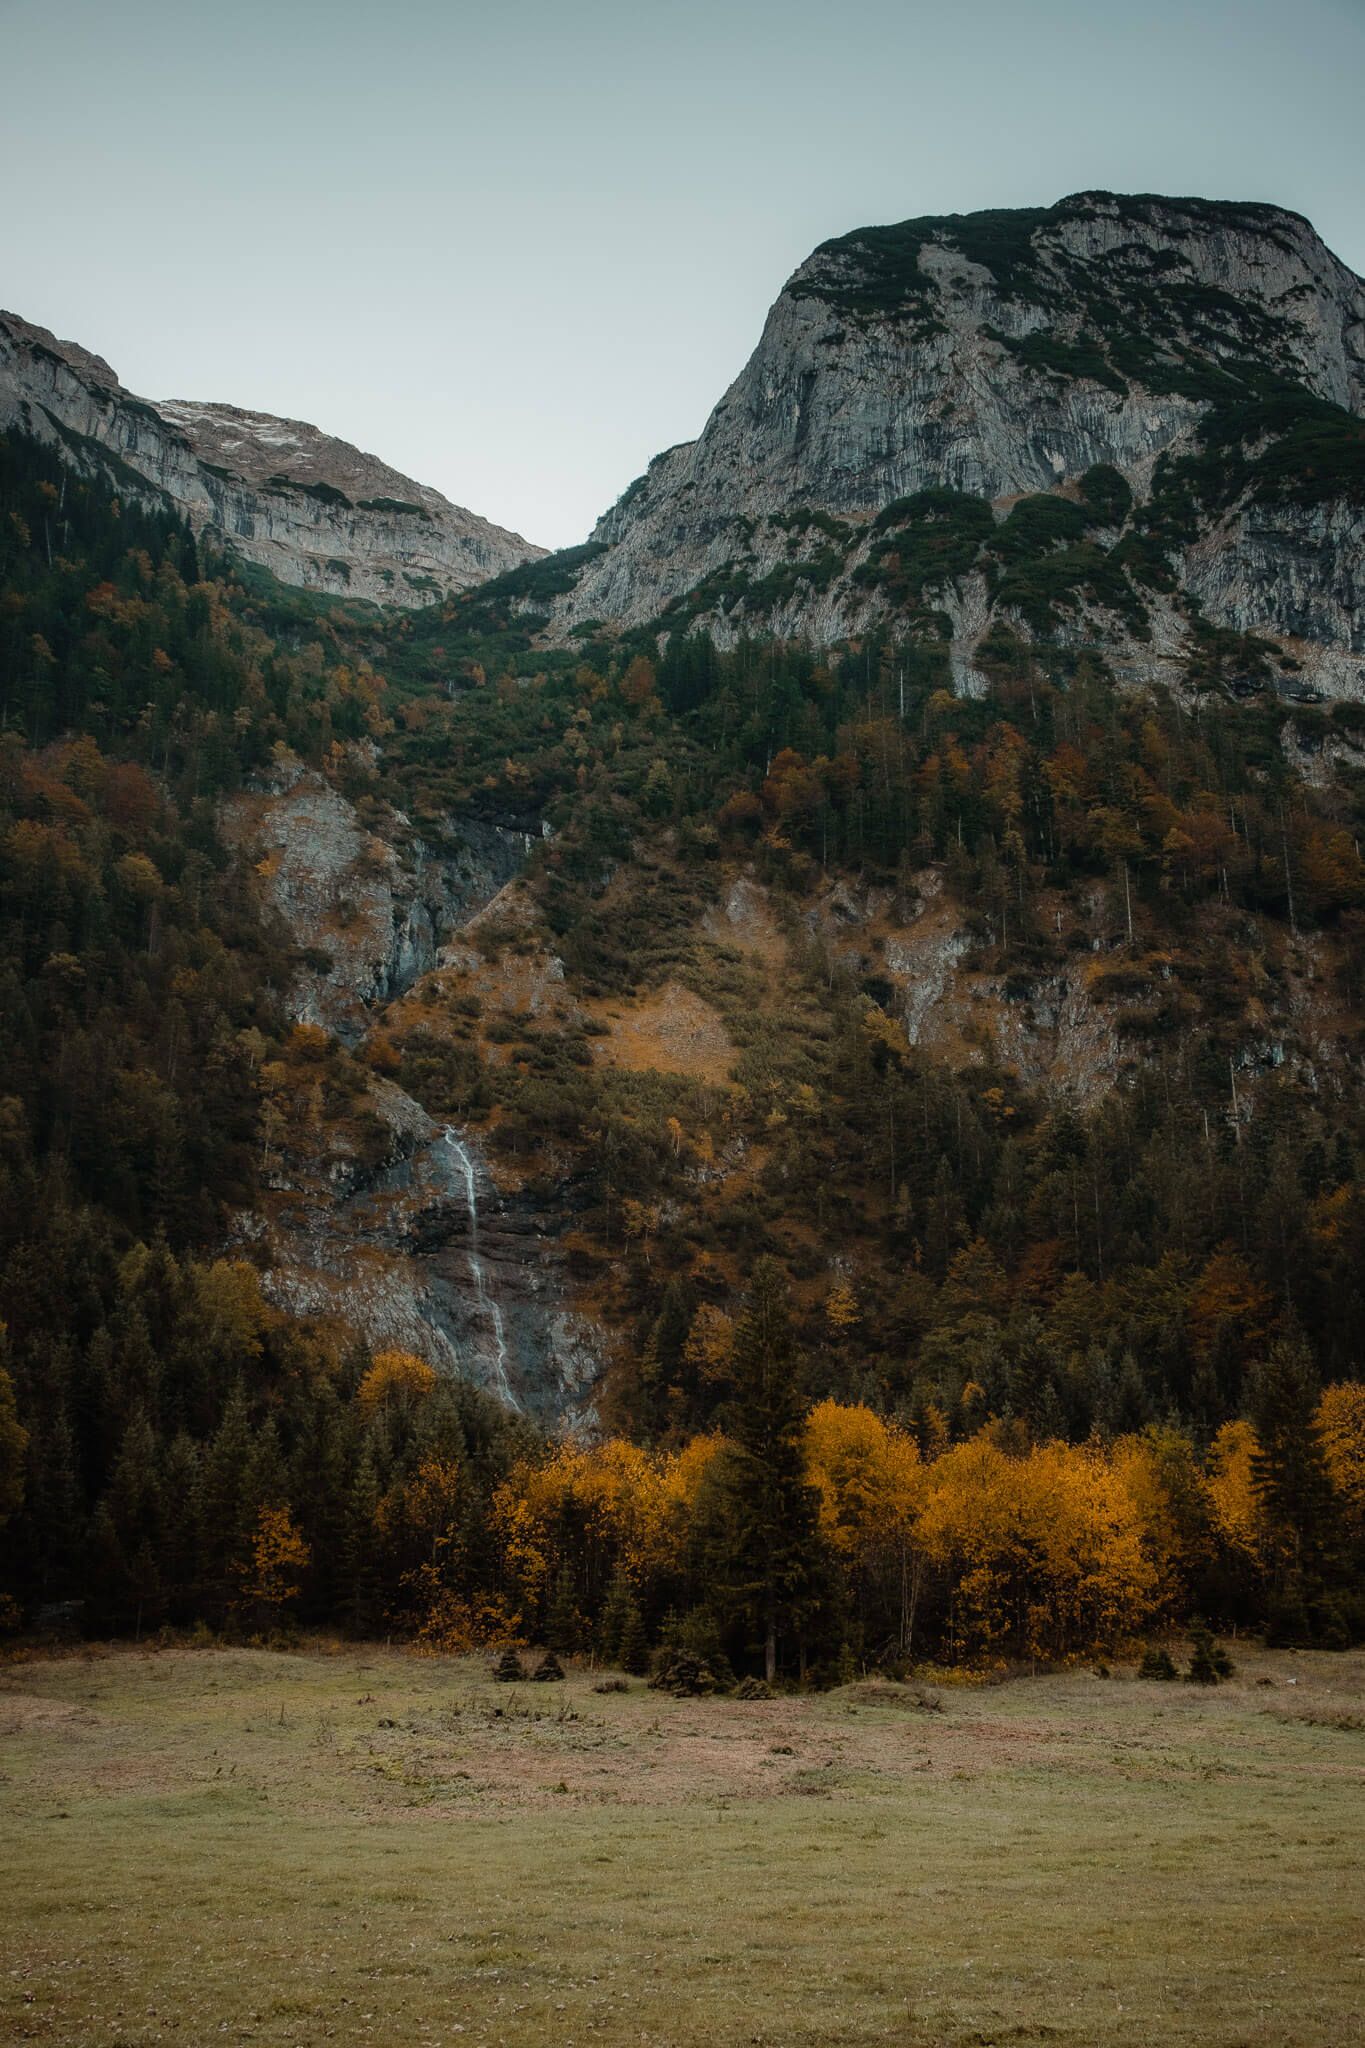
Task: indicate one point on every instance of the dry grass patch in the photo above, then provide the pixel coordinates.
(672, 1031)
(357, 1846)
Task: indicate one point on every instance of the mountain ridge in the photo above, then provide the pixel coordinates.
(1150, 336)
(313, 509)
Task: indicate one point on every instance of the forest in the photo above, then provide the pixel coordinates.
(956, 1368)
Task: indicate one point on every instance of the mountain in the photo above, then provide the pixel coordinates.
(1114, 419)
(313, 510)
(906, 868)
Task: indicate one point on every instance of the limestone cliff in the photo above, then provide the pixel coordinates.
(383, 1217)
(1202, 364)
(313, 510)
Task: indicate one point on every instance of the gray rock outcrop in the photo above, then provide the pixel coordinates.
(315, 511)
(367, 908)
(1001, 355)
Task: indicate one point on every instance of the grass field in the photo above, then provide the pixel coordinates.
(358, 1846)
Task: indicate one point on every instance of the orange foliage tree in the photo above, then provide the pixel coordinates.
(1044, 1552)
(1341, 1425)
(396, 1378)
(869, 1480)
(273, 1574)
(596, 1511)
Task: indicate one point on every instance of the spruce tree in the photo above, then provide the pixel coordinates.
(182, 1501)
(766, 1559)
(228, 1507)
(361, 1600)
(135, 1484)
(612, 1622)
(633, 1655)
(1289, 1472)
(561, 1622)
(13, 1450)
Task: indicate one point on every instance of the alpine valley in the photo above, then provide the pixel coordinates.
(863, 958)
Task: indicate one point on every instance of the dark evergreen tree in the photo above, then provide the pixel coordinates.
(616, 1610)
(633, 1655)
(361, 1596)
(562, 1621)
(767, 1561)
(1289, 1471)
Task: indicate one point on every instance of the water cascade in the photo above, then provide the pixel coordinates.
(488, 1310)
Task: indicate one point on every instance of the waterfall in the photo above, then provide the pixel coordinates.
(489, 1311)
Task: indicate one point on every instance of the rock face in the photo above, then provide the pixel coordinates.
(388, 1219)
(313, 510)
(369, 907)
(1213, 355)
(421, 1252)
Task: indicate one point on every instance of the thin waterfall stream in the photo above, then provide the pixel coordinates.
(488, 1308)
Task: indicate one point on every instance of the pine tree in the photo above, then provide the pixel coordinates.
(612, 1622)
(13, 1449)
(561, 1622)
(267, 1478)
(134, 1494)
(182, 1501)
(1209, 1661)
(361, 1599)
(1289, 1473)
(633, 1655)
(229, 1510)
(56, 1514)
(767, 1565)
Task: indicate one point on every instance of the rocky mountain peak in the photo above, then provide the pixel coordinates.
(1208, 356)
(312, 509)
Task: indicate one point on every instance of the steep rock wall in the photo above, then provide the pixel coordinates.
(313, 510)
(1000, 356)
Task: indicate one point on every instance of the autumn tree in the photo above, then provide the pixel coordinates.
(13, 1448)
(1341, 1431)
(868, 1480)
(1044, 1552)
(395, 1379)
(273, 1575)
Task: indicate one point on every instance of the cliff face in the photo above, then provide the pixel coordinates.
(369, 907)
(1212, 355)
(313, 510)
(380, 1215)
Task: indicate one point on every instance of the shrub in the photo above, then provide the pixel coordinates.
(1209, 1661)
(684, 1674)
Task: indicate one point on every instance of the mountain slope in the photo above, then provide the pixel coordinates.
(914, 384)
(1023, 1032)
(312, 509)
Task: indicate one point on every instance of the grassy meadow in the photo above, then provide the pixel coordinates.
(354, 1845)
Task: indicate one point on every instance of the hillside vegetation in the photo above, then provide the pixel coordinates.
(1013, 1324)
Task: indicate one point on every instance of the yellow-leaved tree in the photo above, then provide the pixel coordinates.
(395, 1379)
(1043, 1553)
(1341, 1425)
(596, 1511)
(273, 1574)
(868, 1479)
(1230, 1481)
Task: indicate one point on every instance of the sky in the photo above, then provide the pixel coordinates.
(518, 249)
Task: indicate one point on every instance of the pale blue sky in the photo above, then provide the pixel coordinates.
(517, 250)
